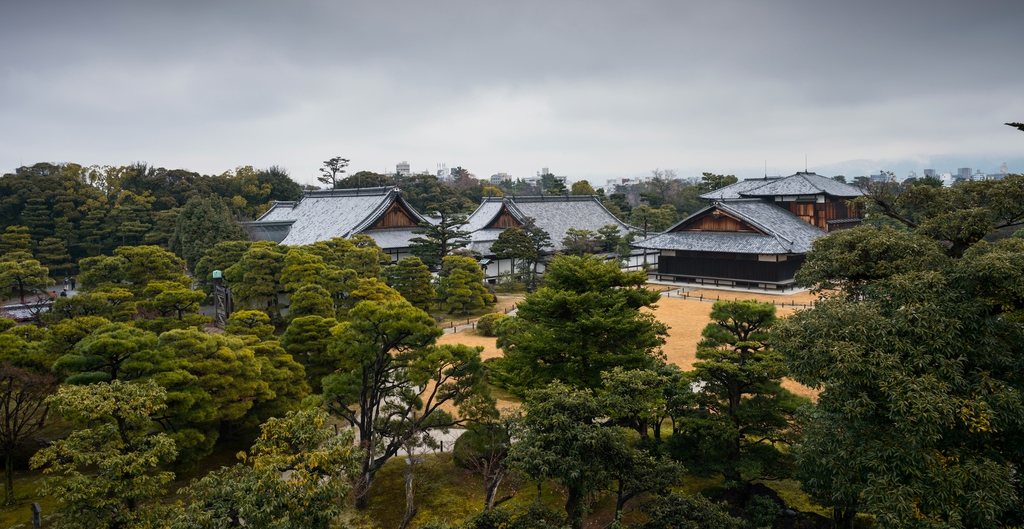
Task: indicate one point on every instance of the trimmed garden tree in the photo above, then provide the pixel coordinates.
(738, 379)
(382, 359)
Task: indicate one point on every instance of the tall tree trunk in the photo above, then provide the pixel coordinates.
(9, 491)
(845, 518)
(491, 489)
(410, 507)
(574, 508)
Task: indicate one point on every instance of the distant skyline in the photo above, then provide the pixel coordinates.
(591, 89)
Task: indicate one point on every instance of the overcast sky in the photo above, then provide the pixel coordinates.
(590, 89)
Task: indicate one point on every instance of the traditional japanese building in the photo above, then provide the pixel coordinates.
(553, 214)
(754, 232)
(380, 212)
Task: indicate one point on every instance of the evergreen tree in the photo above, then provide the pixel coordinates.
(220, 257)
(381, 360)
(20, 275)
(412, 279)
(311, 300)
(53, 254)
(255, 278)
(307, 339)
(203, 223)
(515, 245)
(739, 377)
(462, 284)
(15, 239)
(441, 238)
(586, 321)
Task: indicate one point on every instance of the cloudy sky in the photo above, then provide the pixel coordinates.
(591, 89)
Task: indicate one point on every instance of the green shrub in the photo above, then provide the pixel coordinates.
(489, 323)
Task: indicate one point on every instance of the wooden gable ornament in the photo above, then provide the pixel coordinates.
(715, 219)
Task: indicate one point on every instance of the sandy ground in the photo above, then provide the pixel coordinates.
(685, 319)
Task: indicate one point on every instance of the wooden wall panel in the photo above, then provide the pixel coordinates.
(505, 220)
(395, 217)
(723, 223)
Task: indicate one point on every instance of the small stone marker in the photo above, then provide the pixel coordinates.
(37, 516)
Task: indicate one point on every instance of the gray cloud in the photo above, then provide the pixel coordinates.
(590, 89)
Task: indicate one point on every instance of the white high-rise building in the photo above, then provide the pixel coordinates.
(402, 169)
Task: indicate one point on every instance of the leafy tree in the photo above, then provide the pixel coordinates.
(21, 275)
(514, 244)
(281, 184)
(202, 223)
(921, 393)
(382, 359)
(23, 409)
(850, 259)
(957, 216)
(441, 238)
(253, 323)
(586, 321)
(582, 188)
(739, 377)
(315, 459)
(637, 396)
(117, 449)
(679, 511)
(412, 279)
(332, 170)
(483, 448)
(710, 182)
(562, 439)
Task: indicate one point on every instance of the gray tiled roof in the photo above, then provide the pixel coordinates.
(322, 215)
(796, 184)
(804, 184)
(553, 214)
(785, 232)
(733, 191)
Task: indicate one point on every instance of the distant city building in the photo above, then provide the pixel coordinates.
(444, 174)
(498, 178)
(964, 172)
(931, 172)
(1003, 169)
(402, 169)
(880, 177)
(912, 175)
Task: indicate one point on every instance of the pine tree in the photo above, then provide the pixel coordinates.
(203, 223)
(15, 239)
(463, 284)
(53, 254)
(412, 279)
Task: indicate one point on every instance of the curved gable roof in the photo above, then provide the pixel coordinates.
(804, 184)
(322, 215)
(781, 231)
